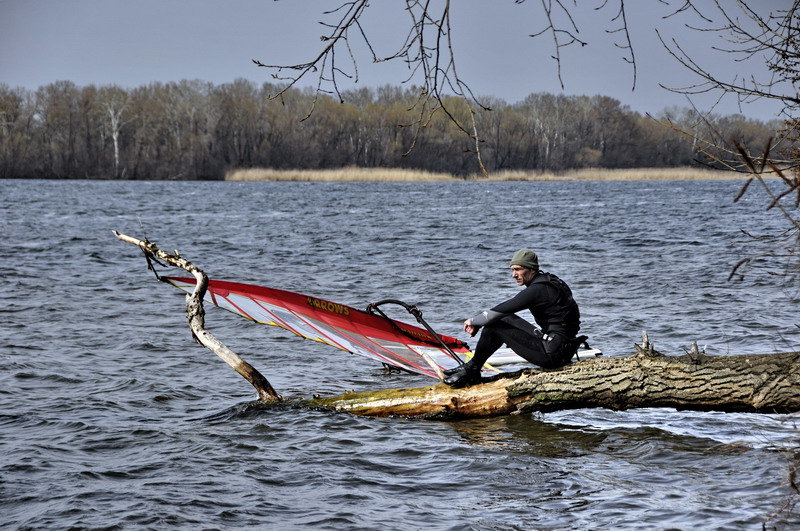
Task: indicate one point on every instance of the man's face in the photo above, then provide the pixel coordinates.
(522, 275)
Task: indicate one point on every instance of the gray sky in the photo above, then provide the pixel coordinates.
(135, 42)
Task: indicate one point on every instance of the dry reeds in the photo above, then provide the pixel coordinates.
(628, 174)
(348, 174)
(351, 174)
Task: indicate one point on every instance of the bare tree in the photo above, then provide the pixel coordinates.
(16, 125)
(695, 381)
(114, 101)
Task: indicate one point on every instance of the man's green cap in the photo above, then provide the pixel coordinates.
(525, 258)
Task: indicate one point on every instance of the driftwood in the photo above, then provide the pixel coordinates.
(766, 383)
(196, 316)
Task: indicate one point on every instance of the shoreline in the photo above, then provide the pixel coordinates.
(352, 174)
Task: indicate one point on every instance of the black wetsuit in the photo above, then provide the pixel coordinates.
(550, 301)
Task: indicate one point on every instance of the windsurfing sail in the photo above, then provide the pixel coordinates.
(376, 337)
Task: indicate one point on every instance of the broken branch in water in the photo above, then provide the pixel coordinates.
(196, 316)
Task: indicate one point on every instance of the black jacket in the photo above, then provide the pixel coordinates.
(550, 301)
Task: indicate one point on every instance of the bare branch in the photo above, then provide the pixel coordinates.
(196, 316)
(749, 36)
(627, 45)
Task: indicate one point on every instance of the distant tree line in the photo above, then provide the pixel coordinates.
(198, 130)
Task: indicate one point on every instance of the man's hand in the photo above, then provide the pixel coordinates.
(469, 328)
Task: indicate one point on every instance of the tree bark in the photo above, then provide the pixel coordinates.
(765, 383)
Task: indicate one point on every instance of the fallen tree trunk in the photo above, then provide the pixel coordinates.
(748, 383)
(767, 383)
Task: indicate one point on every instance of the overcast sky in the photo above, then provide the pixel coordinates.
(135, 42)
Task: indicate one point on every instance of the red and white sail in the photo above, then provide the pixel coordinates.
(376, 337)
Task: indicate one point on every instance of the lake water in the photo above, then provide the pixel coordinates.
(111, 415)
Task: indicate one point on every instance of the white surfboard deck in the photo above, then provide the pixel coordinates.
(508, 357)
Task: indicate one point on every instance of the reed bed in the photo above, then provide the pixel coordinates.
(401, 175)
(627, 174)
(339, 175)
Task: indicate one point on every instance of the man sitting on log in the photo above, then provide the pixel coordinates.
(550, 301)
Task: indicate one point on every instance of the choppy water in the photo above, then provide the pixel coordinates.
(111, 416)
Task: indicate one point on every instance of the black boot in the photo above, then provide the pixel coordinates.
(467, 374)
(448, 372)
